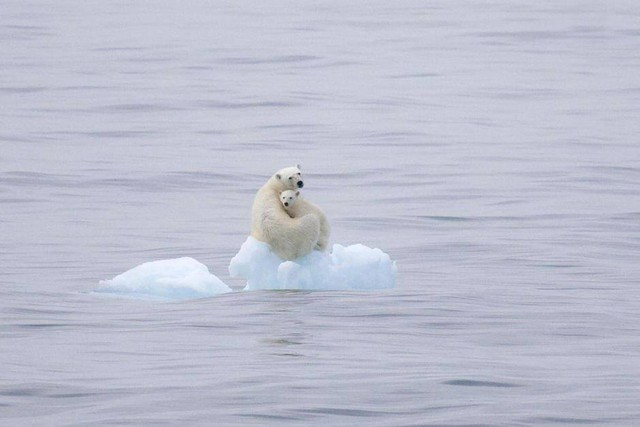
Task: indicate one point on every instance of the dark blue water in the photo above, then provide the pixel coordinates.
(491, 148)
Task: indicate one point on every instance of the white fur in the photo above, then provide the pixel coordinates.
(290, 238)
(298, 207)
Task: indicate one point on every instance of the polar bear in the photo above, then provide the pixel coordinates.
(290, 238)
(298, 207)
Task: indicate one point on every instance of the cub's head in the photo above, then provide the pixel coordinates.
(288, 198)
(290, 178)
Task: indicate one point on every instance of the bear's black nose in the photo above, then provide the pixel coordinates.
(300, 184)
(286, 203)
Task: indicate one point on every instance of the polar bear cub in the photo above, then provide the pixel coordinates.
(297, 207)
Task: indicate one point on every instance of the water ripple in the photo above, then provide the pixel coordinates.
(476, 383)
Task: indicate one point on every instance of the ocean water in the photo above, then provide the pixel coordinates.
(489, 147)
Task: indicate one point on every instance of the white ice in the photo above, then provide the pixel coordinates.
(171, 279)
(355, 267)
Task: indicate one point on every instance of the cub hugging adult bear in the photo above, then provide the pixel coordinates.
(290, 238)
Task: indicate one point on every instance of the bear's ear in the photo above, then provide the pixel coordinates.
(298, 166)
(278, 177)
(297, 193)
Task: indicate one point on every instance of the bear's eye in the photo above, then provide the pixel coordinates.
(290, 177)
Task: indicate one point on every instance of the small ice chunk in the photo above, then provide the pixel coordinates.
(171, 279)
(355, 267)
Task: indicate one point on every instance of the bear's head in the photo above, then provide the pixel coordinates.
(289, 198)
(289, 178)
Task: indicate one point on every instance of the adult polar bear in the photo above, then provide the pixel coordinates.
(290, 238)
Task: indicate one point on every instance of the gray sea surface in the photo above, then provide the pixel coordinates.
(490, 147)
